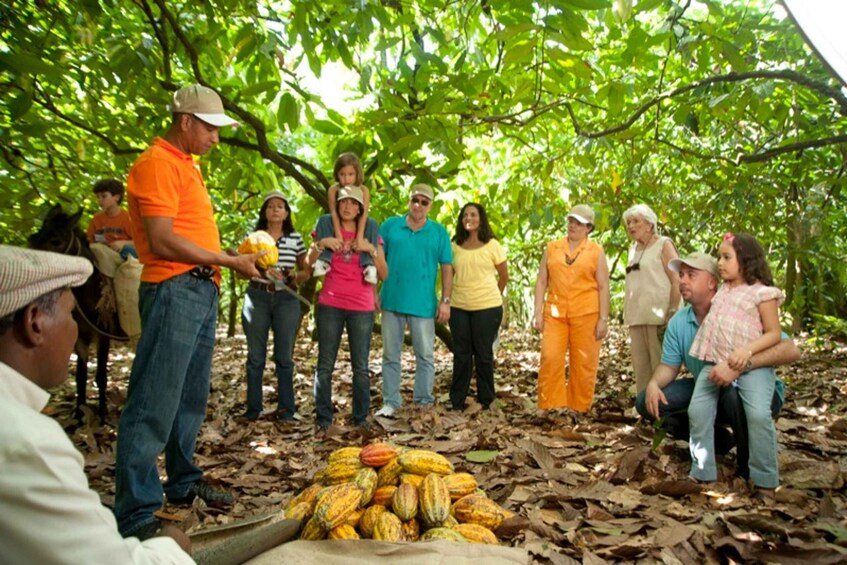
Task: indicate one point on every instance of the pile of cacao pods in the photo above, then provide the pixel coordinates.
(384, 493)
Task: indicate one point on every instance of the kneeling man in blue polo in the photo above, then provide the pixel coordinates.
(667, 397)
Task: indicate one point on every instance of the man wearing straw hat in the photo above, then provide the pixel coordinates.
(49, 512)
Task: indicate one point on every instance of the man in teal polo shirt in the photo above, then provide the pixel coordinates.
(668, 397)
(415, 246)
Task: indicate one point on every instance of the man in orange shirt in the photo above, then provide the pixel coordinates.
(179, 246)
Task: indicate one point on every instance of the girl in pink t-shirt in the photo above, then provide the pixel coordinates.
(743, 320)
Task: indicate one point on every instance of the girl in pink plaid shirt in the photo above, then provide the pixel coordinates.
(743, 320)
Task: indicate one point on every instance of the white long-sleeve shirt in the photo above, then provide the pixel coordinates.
(48, 514)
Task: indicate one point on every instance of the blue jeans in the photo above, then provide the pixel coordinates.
(756, 390)
(730, 413)
(331, 322)
(474, 332)
(423, 342)
(324, 229)
(263, 310)
(166, 402)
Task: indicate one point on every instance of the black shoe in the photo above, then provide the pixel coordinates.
(210, 495)
(145, 532)
(724, 440)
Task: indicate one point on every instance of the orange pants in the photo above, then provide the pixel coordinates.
(574, 336)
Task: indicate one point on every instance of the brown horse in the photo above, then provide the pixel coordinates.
(61, 233)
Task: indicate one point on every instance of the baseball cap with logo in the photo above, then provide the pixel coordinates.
(27, 274)
(696, 260)
(202, 102)
(352, 191)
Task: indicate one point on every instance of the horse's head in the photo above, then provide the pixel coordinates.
(60, 232)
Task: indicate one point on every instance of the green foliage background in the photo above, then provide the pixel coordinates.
(715, 114)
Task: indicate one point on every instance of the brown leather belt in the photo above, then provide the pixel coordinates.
(267, 287)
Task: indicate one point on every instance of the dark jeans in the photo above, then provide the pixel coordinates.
(331, 322)
(730, 413)
(324, 229)
(166, 402)
(474, 332)
(262, 311)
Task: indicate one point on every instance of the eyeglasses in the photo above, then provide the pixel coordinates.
(420, 202)
(633, 267)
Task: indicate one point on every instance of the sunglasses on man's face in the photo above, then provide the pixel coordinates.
(420, 202)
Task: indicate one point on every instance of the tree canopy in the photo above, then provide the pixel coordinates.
(715, 114)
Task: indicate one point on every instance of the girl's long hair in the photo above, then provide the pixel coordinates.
(751, 259)
(484, 233)
(287, 223)
(346, 159)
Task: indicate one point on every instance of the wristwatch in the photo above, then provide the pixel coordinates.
(748, 366)
(445, 300)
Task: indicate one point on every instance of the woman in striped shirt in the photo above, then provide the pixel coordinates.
(267, 307)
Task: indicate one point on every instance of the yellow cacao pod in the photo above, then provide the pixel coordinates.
(411, 530)
(301, 511)
(366, 480)
(342, 471)
(377, 454)
(449, 522)
(475, 533)
(434, 500)
(460, 484)
(312, 530)
(367, 522)
(388, 527)
(405, 502)
(336, 504)
(342, 453)
(476, 509)
(257, 241)
(383, 496)
(411, 479)
(354, 517)
(310, 494)
(344, 531)
(389, 474)
(443, 533)
(424, 462)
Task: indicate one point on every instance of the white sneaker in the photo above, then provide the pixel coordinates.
(370, 274)
(321, 268)
(386, 411)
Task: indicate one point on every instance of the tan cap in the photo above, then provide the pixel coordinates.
(582, 214)
(274, 194)
(352, 191)
(26, 274)
(202, 102)
(696, 260)
(422, 190)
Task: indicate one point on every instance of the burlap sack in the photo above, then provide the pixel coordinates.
(108, 260)
(127, 280)
(367, 552)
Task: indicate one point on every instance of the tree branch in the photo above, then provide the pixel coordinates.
(790, 148)
(45, 102)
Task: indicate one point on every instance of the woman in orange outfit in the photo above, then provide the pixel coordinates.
(574, 317)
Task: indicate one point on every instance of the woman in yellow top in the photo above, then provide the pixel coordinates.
(574, 318)
(480, 274)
